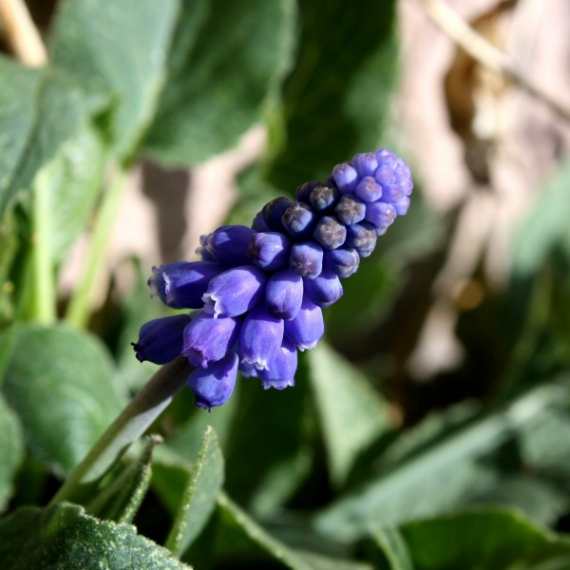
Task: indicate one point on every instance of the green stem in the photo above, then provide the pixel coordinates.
(44, 298)
(78, 310)
(131, 424)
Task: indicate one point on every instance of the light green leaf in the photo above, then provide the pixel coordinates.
(489, 539)
(415, 487)
(228, 58)
(198, 500)
(546, 225)
(39, 111)
(336, 101)
(73, 178)
(343, 394)
(121, 498)
(11, 449)
(58, 380)
(394, 548)
(64, 536)
(118, 55)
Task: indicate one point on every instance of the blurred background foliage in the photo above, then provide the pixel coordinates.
(432, 429)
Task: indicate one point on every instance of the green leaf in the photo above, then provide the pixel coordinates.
(39, 111)
(227, 60)
(489, 539)
(415, 487)
(118, 55)
(394, 548)
(233, 537)
(336, 101)
(343, 394)
(122, 497)
(11, 449)
(64, 536)
(546, 226)
(73, 179)
(204, 483)
(58, 380)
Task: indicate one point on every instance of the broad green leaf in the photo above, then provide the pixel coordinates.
(546, 226)
(11, 449)
(64, 536)
(122, 497)
(441, 476)
(74, 178)
(39, 111)
(336, 100)
(343, 394)
(118, 55)
(228, 58)
(489, 539)
(204, 483)
(59, 381)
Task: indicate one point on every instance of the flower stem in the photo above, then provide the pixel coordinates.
(78, 310)
(43, 282)
(131, 424)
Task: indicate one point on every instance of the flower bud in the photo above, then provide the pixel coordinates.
(273, 212)
(234, 292)
(259, 224)
(298, 220)
(307, 328)
(214, 385)
(282, 366)
(365, 163)
(402, 206)
(260, 336)
(230, 244)
(329, 233)
(323, 198)
(350, 210)
(269, 250)
(182, 284)
(284, 293)
(303, 192)
(160, 340)
(368, 190)
(381, 215)
(345, 177)
(362, 237)
(325, 290)
(208, 340)
(344, 262)
(306, 259)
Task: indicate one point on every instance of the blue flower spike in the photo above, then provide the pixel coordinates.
(261, 291)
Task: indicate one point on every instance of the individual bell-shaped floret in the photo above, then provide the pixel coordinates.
(365, 163)
(260, 336)
(298, 220)
(284, 293)
(160, 340)
(214, 385)
(323, 198)
(181, 285)
(207, 339)
(273, 212)
(269, 250)
(368, 190)
(329, 233)
(381, 215)
(343, 261)
(234, 292)
(362, 237)
(307, 328)
(350, 210)
(306, 259)
(345, 177)
(325, 290)
(229, 245)
(281, 369)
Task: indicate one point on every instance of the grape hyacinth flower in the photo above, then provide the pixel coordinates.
(260, 291)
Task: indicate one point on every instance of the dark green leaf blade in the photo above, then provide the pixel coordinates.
(59, 381)
(64, 536)
(227, 59)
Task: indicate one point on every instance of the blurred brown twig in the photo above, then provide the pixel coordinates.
(487, 54)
